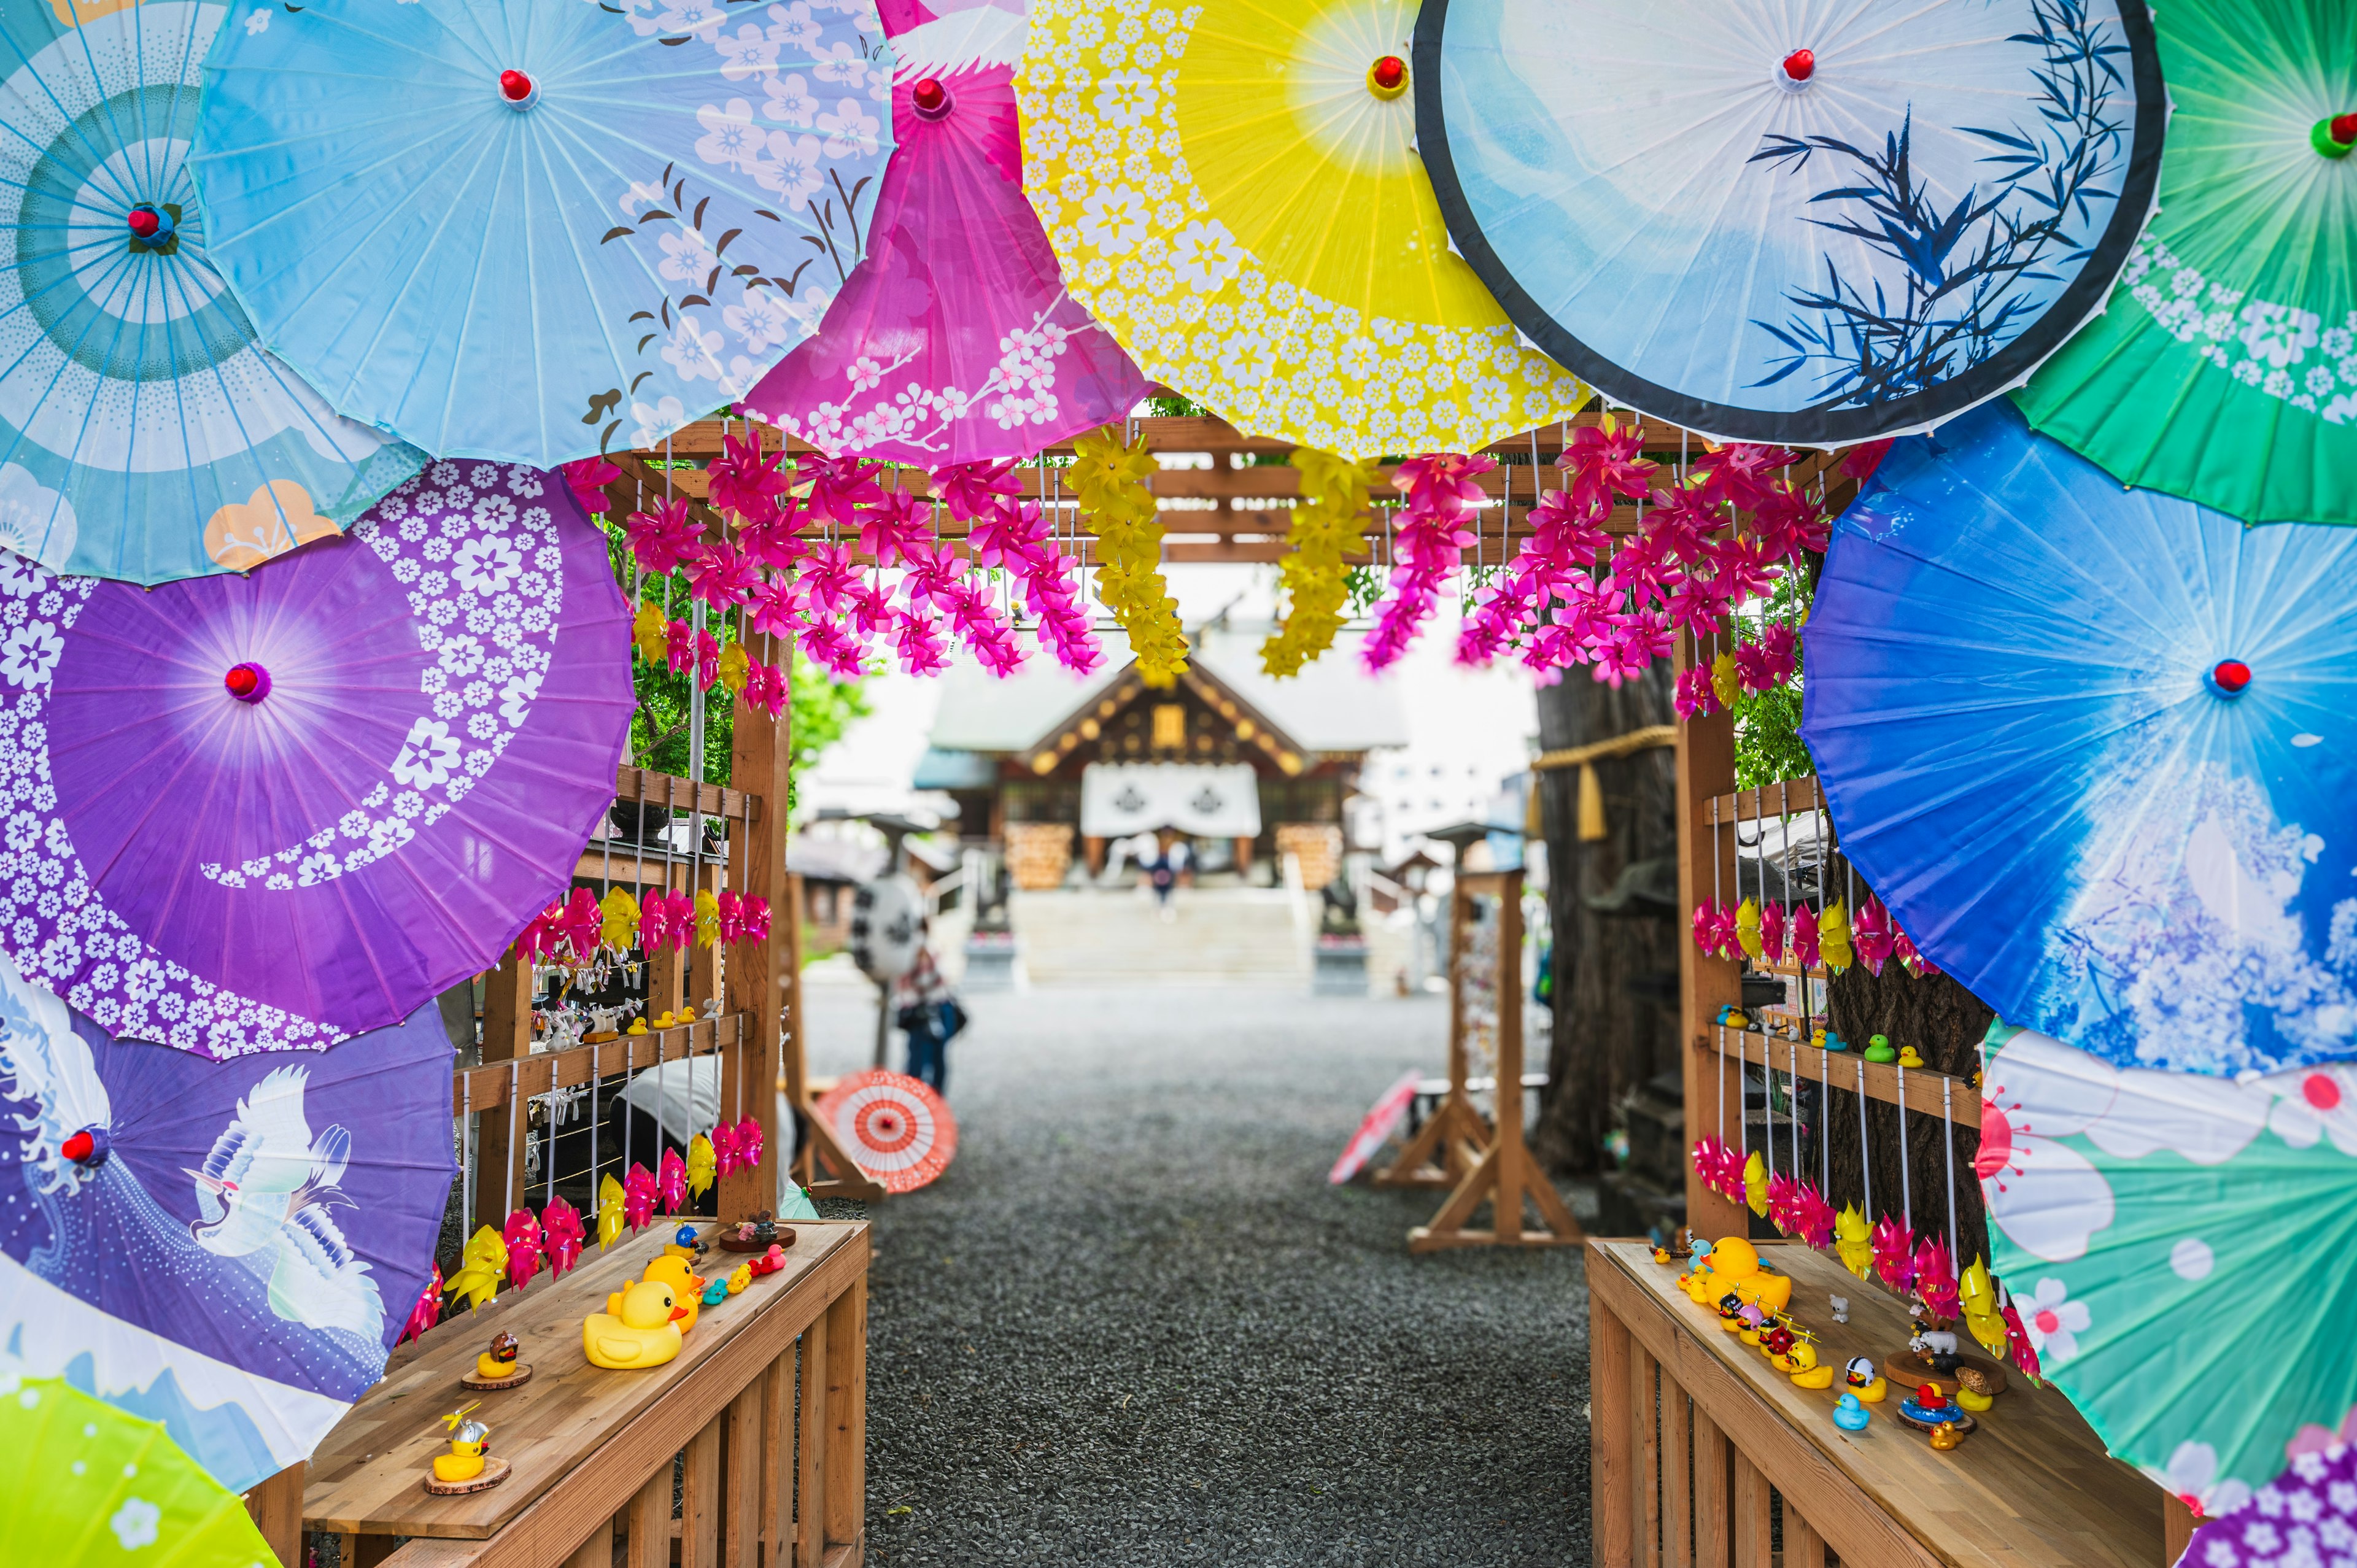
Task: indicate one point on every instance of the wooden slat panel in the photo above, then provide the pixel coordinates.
(1612, 1434)
(649, 1521)
(1677, 1451)
(713, 801)
(1804, 1547)
(544, 1070)
(777, 1459)
(1714, 1500)
(1645, 1507)
(277, 1507)
(1754, 1527)
(742, 1471)
(1786, 797)
(845, 1500)
(811, 1427)
(1882, 1078)
(701, 1498)
(597, 1551)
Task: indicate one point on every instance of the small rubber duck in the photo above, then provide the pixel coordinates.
(498, 1362)
(1945, 1436)
(1863, 1381)
(740, 1277)
(638, 1026)
(1972, 1399)
(1730, 1313)
(683, 1244)
(1878, 1049)
(1909, 1057)
(1850, 1415)
(469, 1441)
(715, 1293)
(1928, 1405)
(1832, 1042)
(642, 1331)
(1734, 1018)
(1750, 1321)
(771, 1261)
(684, 1281)
(1806, 1370)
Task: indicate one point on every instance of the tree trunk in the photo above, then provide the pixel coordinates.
(1615, 974)
(1946, 1022)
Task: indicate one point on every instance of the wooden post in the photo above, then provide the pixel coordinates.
(597, 1551)
(1645, 1449)
(761, 763)
(649, 1522)
(1449, 1144)
(810, 1434)
(2177, 1525)
(1754, 1526)
(1713, 1504)
(507, 1035)
(700, 1501)
(1609, 1428)
(740, 1461)
(277, 1507)
(1705, 770)
(845, 1434)
(1677, 1502)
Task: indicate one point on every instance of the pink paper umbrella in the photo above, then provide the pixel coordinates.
(276, 810)
(954, 341)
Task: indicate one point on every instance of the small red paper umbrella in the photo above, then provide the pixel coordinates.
(895, 1128)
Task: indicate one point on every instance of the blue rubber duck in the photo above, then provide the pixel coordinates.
(1850, 1415)
(715, 1293)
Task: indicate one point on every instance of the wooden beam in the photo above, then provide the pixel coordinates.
(1924, 1088)
(1705, 767)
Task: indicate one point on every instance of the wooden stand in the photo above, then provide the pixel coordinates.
(1503, 1174)
(1452, 1142)
(514, 1379)
(495, 1470)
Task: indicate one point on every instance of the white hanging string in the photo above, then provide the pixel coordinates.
(1906, 1177)
(1948, 1134)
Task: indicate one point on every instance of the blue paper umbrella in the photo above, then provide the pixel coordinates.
(2094, 748)
(1815, 223)
(229, 1248)
(528, 230)
(145, 434)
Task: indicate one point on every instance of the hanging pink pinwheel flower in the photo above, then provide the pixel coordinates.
(1935, 1280)
(840, 487)
(587, 478)
(1903, 949)
(1743, 568)
(1696, 695)
(828, 644)
(1812, 1217)
(778, 539)
(428, 1310)
(1789, 523)
(655, 923)
(1894, 1257)
(1873, 935)
(1783, 1195)
(670, 1181)
(1772, 931)
(764, 688)
(522, 1233)
(748, 1143)
(2023, 1354)
(897, 521)
(637, 1196)
(1802, 940)
(1720, 1166)
(917, 639)
(722, 576)
(541, 933)
(1602, 464)
(757, 920)
(560, 1231)
(724, 1147)
(1740, 473)
(969, 490)
(732, 916)
(743, 480)
(1705, 925)
(1427, 544)
(665, 537)
(1764, 665)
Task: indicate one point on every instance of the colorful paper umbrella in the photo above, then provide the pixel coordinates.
(1379, 1123)
(264, 812)
(955, 341)
(2093, 750)
(2176, 1247)
(522, 231)
(2238, 310)
(1819, 222)
(1234, 191)
(229, 1248)
(88, 1485)
(144, 432)
(894, 1127)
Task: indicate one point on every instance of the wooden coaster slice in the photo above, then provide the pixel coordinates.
(495, 1470)
(515, 1380)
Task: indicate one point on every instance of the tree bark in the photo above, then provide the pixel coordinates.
(1615, 1012)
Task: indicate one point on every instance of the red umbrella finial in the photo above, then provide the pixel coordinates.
(932, 99)
(1387, 78)
(1800, 65)
(518, 89)
(145, 221)
(2230, 676)
(247, 683)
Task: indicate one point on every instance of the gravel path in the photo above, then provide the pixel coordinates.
(1132, 1324)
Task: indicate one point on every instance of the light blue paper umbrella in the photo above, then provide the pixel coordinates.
(1817, 222)
(145, 434)
(2094, 748)
(533, 231)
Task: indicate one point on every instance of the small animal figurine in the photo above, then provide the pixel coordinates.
(1841, 1308)
(1878, 1049)
(469, 1441)
(1850, 1415)
(740, 1277)
(499, 1363)
(1909, 1057)
(769, 1262)
(1863, 1381)
(1945, 1436)
(640, 1328)
(1734, 1018)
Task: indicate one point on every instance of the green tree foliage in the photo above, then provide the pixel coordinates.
(1768, 725)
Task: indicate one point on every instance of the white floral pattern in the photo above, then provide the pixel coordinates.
(2191, 1477)
(2261, 345)
(2053, 1322)
(485, 587)
(1107, 170)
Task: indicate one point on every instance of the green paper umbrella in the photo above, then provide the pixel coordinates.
(2225, 367)
(88, 1487)
(2178, 1247)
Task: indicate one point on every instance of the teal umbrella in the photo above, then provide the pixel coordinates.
(2226, 369)
(2178, 1247)
(145, 432)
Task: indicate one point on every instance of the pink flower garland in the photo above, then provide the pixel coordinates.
(1428, 544)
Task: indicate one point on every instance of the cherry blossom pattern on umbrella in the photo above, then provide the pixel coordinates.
(2145, 1218)
(955, 340)
(271, 811)
(2305, 1517)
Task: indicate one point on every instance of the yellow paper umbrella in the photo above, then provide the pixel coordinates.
(1233, 190)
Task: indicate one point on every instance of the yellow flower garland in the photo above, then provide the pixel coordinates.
(1109, 477)
(1327, 524)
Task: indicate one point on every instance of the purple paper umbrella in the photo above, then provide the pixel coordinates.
(2305, 1517)
(271, 811)
(229, 1248)
(953, 341)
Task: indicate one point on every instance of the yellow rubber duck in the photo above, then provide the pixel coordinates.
(1864, 1381)
(638, 1026)
(1747, 927)
(1973, 1401)
(738, 1278)
(1909, 1057)
(643, 1332)
(703, 1164)
(499, 1361)
(684, 1281)
(481, 1268)
(609, 1212)
(469, 1441)
(1755, 1187)
(1854, 1241)
(1807, 1371)
(1735, 1267)
(1832, 938)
